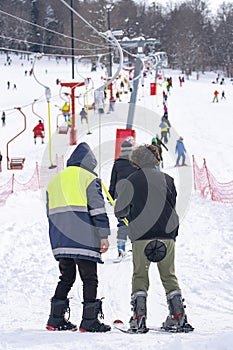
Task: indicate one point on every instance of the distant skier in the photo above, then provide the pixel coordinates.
(216, 93)
(39, 131)
(180, 150)
(66, 111)
(83, 115)
(164, 130)
(157, 142)
(112, 102)
(223, 95)
(3, 118)
(0, 161)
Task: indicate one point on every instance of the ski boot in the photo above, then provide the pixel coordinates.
(138, 320)
(176, 320)
(121, 248)
(57, 321)
(90, 322)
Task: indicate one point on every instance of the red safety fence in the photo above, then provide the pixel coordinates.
(40, 178)
(205, 182)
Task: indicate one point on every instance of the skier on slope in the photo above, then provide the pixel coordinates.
(157, 142)
(164, 126)
(79, 230)
(180, 150)
(121, 169)
(148, 198)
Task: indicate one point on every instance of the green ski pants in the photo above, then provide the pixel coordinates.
(166, 267)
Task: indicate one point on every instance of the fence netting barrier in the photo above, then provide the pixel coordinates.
(205, 182)
(39, 180)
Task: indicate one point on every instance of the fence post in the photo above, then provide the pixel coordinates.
(37, 174)
(207, 175)
(12, 183)
(194, 173)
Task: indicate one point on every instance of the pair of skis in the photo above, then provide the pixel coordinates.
(120, 326)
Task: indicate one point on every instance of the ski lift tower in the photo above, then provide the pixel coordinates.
(72, 85)
(139, 43)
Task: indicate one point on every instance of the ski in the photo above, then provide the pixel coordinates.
(122, 257)
(120, 326)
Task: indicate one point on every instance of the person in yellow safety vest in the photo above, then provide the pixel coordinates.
(78, 230)
(66, 111)
(164, 126)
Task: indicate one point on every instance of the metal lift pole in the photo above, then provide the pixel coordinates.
(133, 97)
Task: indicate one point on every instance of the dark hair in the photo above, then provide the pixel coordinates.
(145, 156)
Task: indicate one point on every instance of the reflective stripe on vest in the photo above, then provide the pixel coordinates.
(76, 251)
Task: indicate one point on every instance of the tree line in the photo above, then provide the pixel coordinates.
(194, 38)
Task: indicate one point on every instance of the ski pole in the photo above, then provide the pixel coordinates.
(112, 201)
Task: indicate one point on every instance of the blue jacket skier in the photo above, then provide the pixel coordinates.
(180, 150)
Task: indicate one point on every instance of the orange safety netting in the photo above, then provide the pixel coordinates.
(205, 182)
(39, 179)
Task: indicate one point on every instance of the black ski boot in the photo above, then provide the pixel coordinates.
(176, 320)
(90, 322)
(138, 320)
(57, 321)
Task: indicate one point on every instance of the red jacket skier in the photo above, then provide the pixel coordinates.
(39, 131)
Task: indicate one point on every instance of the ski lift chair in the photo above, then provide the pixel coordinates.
(16, 163)
(63, 128)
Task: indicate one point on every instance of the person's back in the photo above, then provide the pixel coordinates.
(148, 198)
(155, 211)
(83, 115)
(78, 231)
(121, 169)
(180, 150)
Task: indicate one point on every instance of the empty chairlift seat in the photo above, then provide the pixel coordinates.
(63, 129)
(17, 163)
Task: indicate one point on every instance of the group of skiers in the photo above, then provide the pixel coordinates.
(79, 229)
(165, 126)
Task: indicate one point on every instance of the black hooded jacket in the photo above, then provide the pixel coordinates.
(148, 199)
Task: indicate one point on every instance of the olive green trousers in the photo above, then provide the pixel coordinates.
(166, 267)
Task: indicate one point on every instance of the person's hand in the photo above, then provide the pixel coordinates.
(104, 244)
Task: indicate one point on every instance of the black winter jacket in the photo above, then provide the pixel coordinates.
(122, 168)
(148, 199)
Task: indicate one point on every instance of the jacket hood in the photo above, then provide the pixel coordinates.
(83, 157)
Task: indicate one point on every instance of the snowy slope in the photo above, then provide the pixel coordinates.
(204, 247)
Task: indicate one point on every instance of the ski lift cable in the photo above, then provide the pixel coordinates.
(82, 18)
(47, 45)
(41, 27)
(33, 53)
(87, 23)
(47, 29)
(58, 33)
